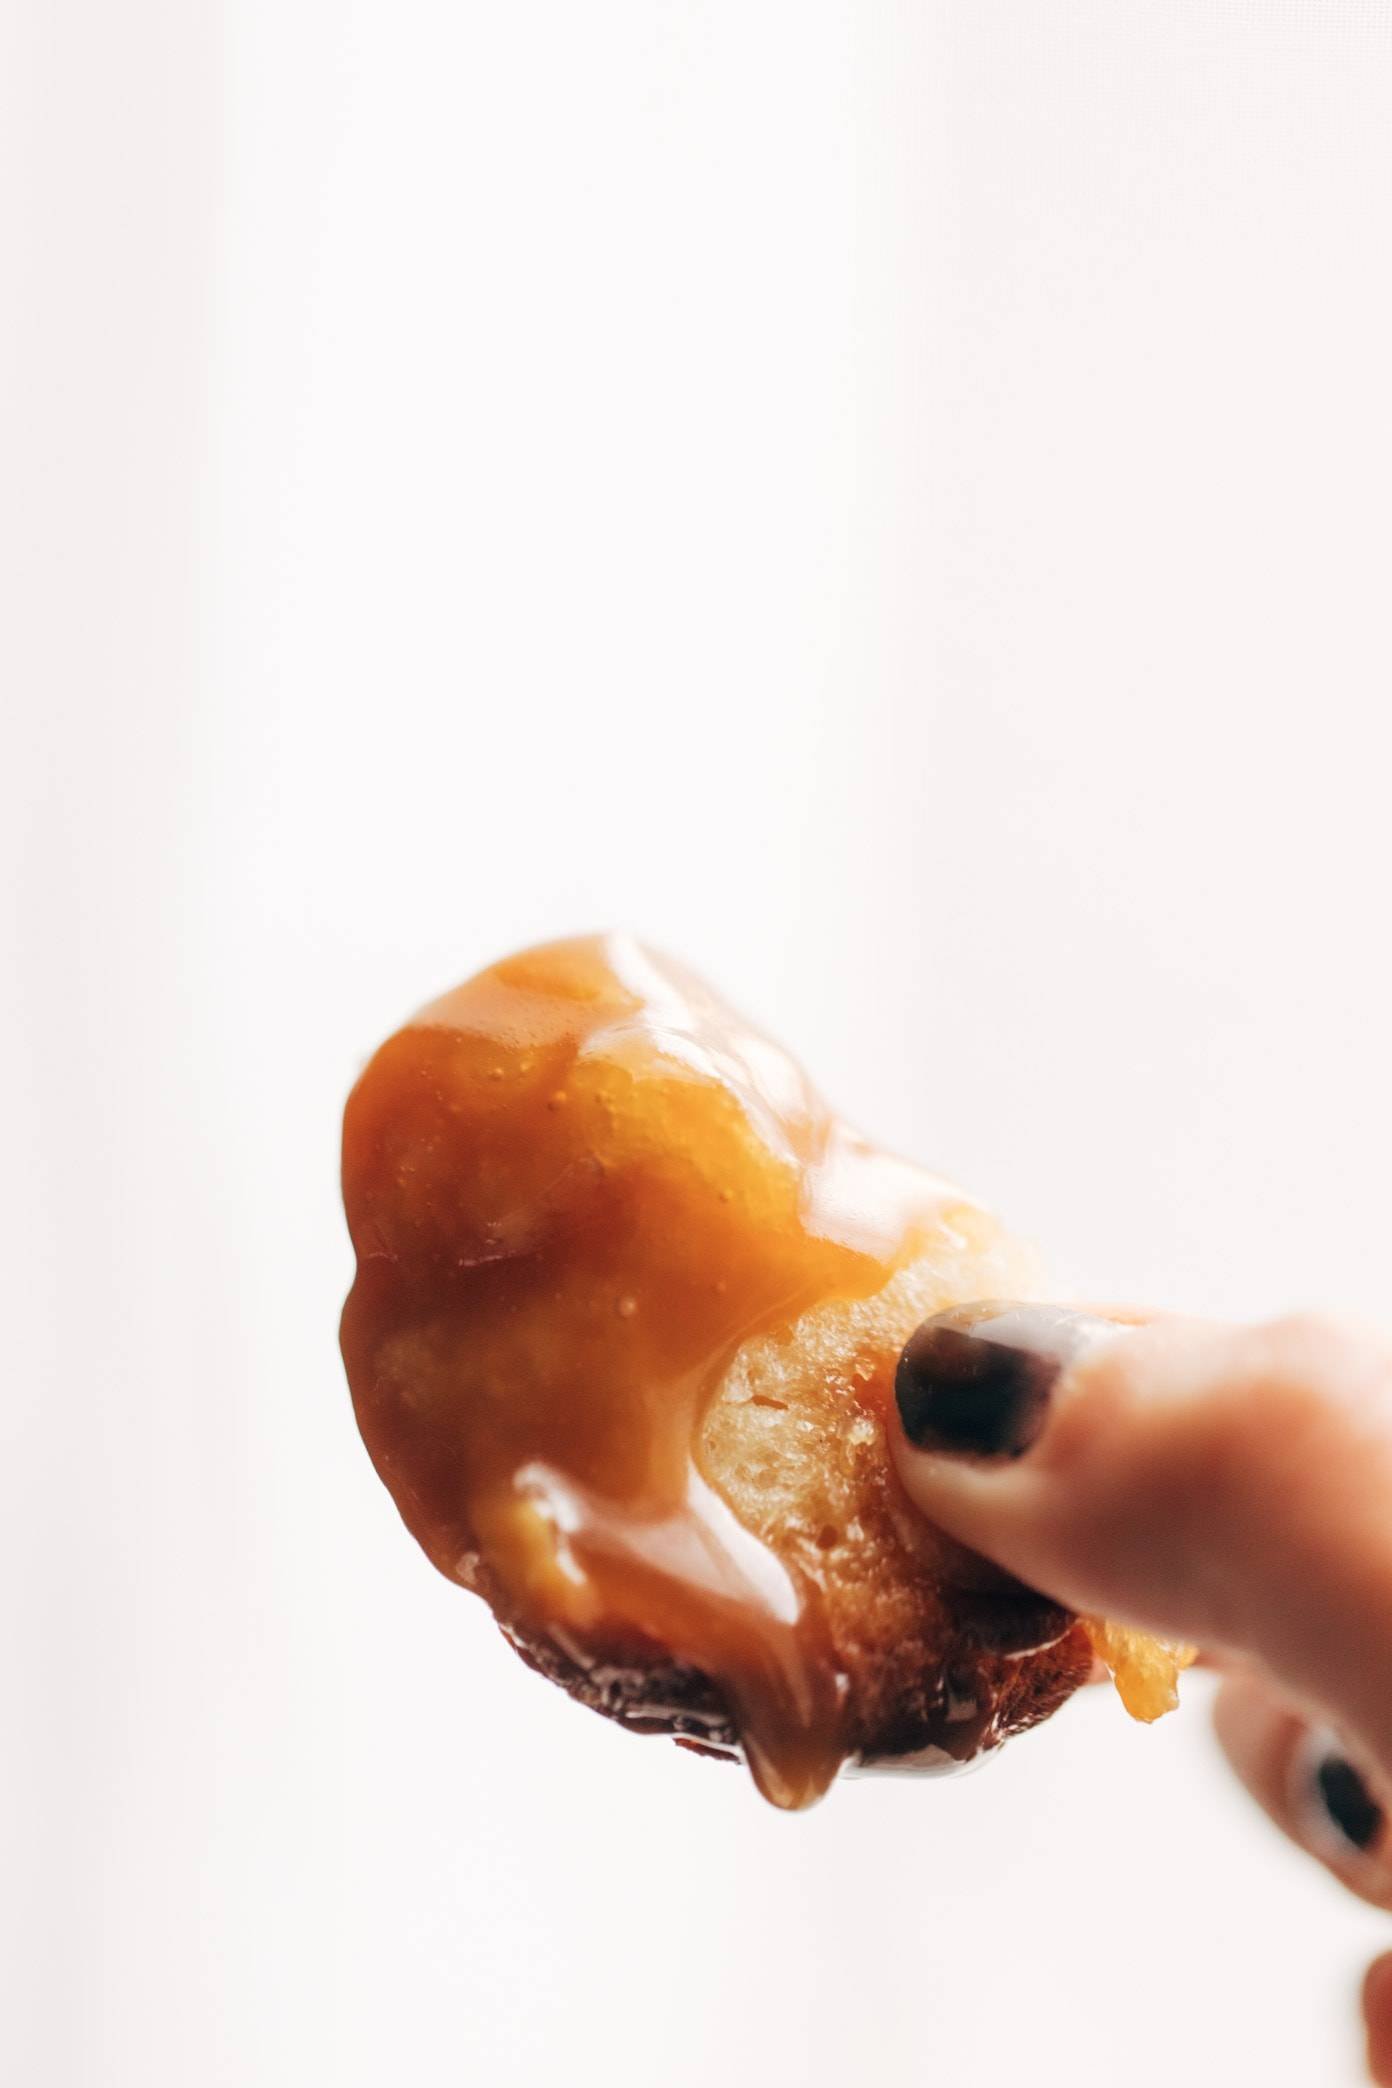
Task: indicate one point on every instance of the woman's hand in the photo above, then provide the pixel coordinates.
(1227, 1486)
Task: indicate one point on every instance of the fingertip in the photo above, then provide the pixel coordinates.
(1019, 1434)
(1377, 2019)
(977, 1381)
(1259, 1735)
(1304, 1780)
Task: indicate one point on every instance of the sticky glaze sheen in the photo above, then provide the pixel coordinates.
(575, 1186)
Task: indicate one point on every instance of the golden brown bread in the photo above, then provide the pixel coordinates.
(621, 1344)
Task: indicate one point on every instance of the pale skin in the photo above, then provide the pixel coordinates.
(1229, 1487)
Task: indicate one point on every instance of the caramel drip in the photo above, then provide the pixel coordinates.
(576, 1185)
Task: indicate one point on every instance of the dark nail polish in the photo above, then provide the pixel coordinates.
(1347, 1801)
(976, 1381)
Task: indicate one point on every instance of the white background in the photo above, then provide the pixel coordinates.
(891, 500)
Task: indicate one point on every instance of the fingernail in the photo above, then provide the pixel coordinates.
(976, 1381)
(1337, 1802)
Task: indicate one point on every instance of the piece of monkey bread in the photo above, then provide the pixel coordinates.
(622, 1343)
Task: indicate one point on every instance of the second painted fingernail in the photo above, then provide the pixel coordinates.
(1338, 1802)
(977, 1381)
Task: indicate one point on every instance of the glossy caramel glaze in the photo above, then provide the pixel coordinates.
(594, 1214)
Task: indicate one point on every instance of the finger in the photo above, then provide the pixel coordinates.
(1230, 1486)
(1305, 1780)
(1377, 2015)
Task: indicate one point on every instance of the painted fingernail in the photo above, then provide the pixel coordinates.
(976, 1381)
(1338, 1804)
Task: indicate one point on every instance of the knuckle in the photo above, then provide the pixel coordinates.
(1306, 1342)
(1313, 1369)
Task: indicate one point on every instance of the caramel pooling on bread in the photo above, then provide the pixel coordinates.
(577, 1186)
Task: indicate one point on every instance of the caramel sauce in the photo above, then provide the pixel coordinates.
(575, 1186)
